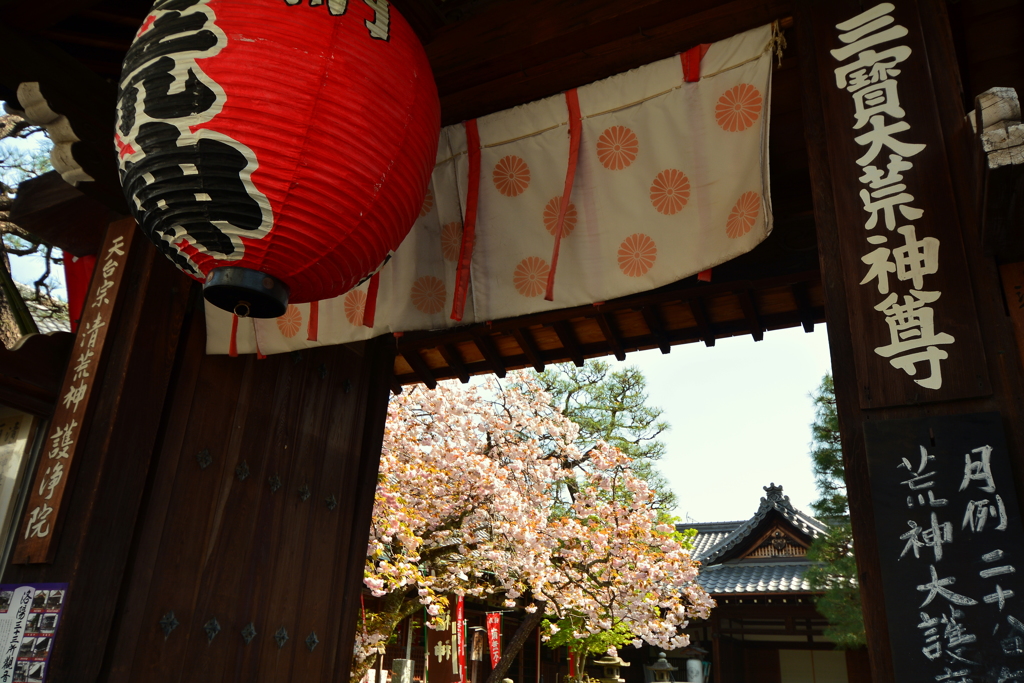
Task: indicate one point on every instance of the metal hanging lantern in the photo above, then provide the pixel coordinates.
(276, 151)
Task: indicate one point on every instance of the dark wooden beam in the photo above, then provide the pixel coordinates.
(396, 386)
(455, 362)
(86, 40)
(74, 91)
(654, 324)
(1000, 146)
(419, 366)
(49, 208)
(567, 336)
(423, 16)
(525, 340)
(30, 15)
(111, 18)
(32, 371)
(803, 305)
(611, 335)
(490, 353)
(840, 337)
(700, 315)
(749, 307)
(489, 63)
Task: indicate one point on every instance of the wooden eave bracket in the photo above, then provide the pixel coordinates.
(1000, 135)
(32, 371)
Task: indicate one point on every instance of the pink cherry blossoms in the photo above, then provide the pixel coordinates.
(466, 504)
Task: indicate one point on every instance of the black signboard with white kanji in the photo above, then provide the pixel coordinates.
(951, 546)
(905, 276)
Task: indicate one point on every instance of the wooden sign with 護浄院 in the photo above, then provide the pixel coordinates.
(35, 542)
(950, 542)
(908, 288)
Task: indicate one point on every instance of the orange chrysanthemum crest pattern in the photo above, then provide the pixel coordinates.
(511, 176)
(428, 294)
(617, 148)
(744, 213)
(670, 191)
(531, 276)
(290, 322)
(551, 217)
(637, 254)
(738, 108)
(355, 304)
(451, 241)
(428, 204)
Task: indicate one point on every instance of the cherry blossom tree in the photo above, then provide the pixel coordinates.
(467, 505)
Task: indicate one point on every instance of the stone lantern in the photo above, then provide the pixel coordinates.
(610, 669)
(661, 670)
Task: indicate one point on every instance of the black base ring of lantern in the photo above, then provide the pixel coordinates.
(246, 292)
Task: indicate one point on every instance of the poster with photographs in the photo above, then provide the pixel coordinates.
(29, 617)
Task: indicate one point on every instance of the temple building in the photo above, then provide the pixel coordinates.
(766, 628)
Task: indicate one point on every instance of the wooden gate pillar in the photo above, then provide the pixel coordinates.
(216, 516)
(926, 370)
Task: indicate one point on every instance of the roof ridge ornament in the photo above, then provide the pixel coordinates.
(775, 498)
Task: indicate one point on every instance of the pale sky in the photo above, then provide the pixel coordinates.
(740, 413)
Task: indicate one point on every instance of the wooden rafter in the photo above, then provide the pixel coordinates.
(529, 347)
(750, 311)
(570, 343)
(454, 360)
(490, 353)
(412, 356)
(700, 314)
(803, 305)
(618, 327)
(611, 335)
(656, 327)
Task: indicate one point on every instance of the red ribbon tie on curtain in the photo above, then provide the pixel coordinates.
(469, 224)
(370, 307)
(575, 123)
(313, 327)
(691, 62)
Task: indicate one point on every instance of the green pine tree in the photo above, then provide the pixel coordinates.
(836, 573)
(611, 406)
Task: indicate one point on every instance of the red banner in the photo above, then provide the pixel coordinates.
(460, 625)
(494, 637)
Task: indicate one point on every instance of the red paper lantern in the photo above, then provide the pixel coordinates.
(276, 151)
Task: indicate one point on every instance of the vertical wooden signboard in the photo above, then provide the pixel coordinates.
(446, 648)
(952, 547)
(909, 299)
(35, 541)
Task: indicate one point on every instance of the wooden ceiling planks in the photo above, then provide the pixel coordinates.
(685, 312)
